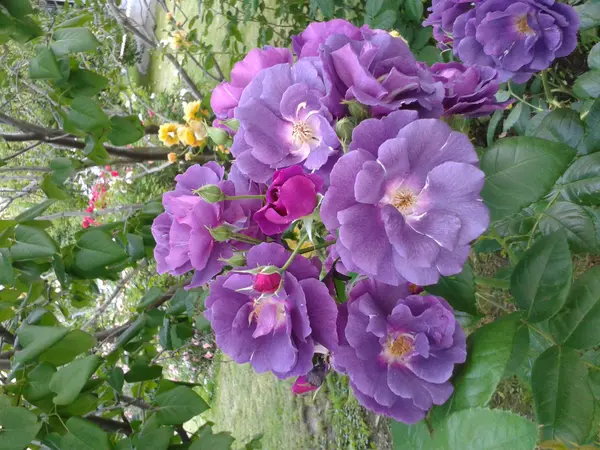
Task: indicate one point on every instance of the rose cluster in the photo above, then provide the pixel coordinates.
(340, 156)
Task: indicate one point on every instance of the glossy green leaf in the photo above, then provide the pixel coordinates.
(86, 83)
(589, 14)
(155, 438)
(178, 405)
(578, 324)
(31, 243)
(143, 372)
(116, 379)
(594, 57)
(561, 125)
(68, 382)
(84, 435)
(519, 352)
(19, 427)
(7, 274)
(125, 130)
(587, 85)
(36, 340)
(520, 171)
(485, 429)
(413, 10)
(207, 440)
(65, 350)
(410, 437)
(44, 66)
(562, 395)
(149, 298)
(73, 40)
(86, 115)
(592, 137)
(581, 182)
(35, 211)
(326, 7)
(17, 8)
(576, 221)
(51, 189)
(96, 250)
(38, 382)
(542, 279)
(489, 350)
(458, 290)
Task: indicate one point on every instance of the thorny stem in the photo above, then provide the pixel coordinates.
(547, 90)
(534, 229)
(505, 246)
(316, 247)
(243, 197)
(537, 108)
(492, 282)
(294, 253)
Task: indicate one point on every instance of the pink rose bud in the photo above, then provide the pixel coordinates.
(208, 355)
(267, 283)
(206, 345)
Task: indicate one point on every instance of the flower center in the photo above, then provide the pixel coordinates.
(404, 201)
(400, 346)
(523, 26)
(302, 133)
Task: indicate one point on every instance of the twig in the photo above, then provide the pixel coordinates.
(97, 213)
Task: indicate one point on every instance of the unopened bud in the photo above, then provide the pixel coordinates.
(344, 128)
(211, 193)
(357, 110)
(221, 233)
(237, 260)
(267, 283)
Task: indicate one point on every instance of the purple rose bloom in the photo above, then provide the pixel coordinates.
(292, 195)
(406, 200)
(226, 96)
(283, 122)
(273, 331)
(470, 90)
(381, 72)
(309, 41)
(518, 38)
(399, 350)
(183, 239)
(443, 15)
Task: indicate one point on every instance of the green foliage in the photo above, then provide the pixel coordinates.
(178, 405)
(458, 290)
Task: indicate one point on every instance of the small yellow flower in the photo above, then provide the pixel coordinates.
(198, 127)
(188, 156)
(167, 134)
(172, 157)
(190, 111)
(395, 34)
(186, 136)
(179, 40)
(169, 16)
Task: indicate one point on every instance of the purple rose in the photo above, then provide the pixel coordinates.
(399, 350)
(406, 200)
(443, 15)
(381, 72)
(277, 331)
(309, 41)
(283, 122)
(470, 90)
(518, 38)
(292, 195)
(226, 96)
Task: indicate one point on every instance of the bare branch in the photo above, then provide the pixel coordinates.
(20, 152)
(97, 213)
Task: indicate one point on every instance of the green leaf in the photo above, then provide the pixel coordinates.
(35, 211)
(68, 382)
(581, 182)
(143, 372)
(589, 14)
(87, 116)
(326, 7)
(542, 279)
(7, 275)
(493, 125)
(155, 438)
(413, 10)
(149, 298)
(73, 40)
(520, 171)
(561, 125)
(513, 117)
(96, 250)
(84, 435)
(36, 339)
(410, 437)
(578, 324)
(458, 290)
(179, 405)
(116, 379)
(51, 189)
(485, 429)
(19, 427)
(65, 350)
(94, 150)
(587, 85)
(17, 8)
(76, 21)
(209, 441)
(489, 351)
(373, 7)
(125, 130)
(44, 66)
(31, 243)
(592, 138)
(576, 221)
(520, 350)
(86, 83)
(38, 382)
(562, 395)
(594, 57)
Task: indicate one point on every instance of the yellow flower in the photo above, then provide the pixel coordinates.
(179, 40)
(199, 129)
(190, 111)
(172, 157)
(186, 136)
(188, 156)
(167, 134)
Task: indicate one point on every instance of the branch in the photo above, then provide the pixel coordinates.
(20, 152)
(135, 402)
(98, 213)
(111, 333)
(25, 169)
(5, 365)
(7, 335)
(111, 426)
